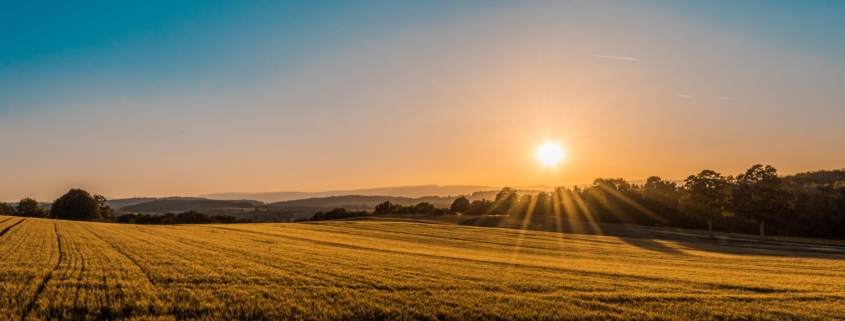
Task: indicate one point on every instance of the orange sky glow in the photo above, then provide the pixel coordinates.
(465, 101)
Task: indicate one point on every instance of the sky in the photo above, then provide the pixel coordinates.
(164, 98)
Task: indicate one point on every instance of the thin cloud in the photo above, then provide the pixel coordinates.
(685, 96)
(614, 57)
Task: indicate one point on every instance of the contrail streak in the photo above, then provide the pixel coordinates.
(685, 96)
(612, 57)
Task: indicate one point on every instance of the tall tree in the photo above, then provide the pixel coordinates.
(424, 208)
(662, 197)
(542, 204)
(106, 212)
(460, 205)
(706, 195)
(596, 201)
(762, 195)
(6, 209)
(661, 191)
(29, 207)
(522, 205)
(505, 199)
(480, 207)
(385, 208)
(79, 205)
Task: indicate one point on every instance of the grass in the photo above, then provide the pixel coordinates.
(396, 270)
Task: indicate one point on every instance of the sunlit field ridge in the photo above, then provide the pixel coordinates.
(55, 269)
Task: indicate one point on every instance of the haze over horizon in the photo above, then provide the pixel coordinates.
(197, 97)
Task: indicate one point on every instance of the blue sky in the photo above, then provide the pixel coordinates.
(56, 51)
(59, 50)
(162, 98)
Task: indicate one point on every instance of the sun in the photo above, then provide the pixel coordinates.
(550, 154)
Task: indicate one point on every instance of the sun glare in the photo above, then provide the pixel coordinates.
(550, 154)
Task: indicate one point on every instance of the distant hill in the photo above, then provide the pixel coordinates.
(819, 177)
(365, 202)
(404, 191)
(123, 202)
(184, 204)
(361, 202)
(118, 203)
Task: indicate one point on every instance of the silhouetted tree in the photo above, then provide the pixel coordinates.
(706, 195)
(29, 208)
(441, 211)
(662, 197)
(193, 217)
(662, 191)
(819, 210)
(6, 209)
(762, 195)
(480, 207)
(385, 208)
(596, 201)
(460, 205)
(106, 212)
(568, 203)
(338, 213)
(505, 199)
(423, 208)
(78, 205)
(542, 204)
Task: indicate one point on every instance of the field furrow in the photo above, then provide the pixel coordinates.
(30, 255)
(390, 270)
(8, 224)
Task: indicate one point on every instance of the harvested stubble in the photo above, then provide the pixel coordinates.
(395, 270)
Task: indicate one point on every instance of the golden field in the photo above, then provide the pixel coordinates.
(66, 270)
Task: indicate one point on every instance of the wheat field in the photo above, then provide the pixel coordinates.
(63, 270)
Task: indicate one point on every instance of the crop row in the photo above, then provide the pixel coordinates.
(383, 270)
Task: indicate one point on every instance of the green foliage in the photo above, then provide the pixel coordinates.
(29, 208)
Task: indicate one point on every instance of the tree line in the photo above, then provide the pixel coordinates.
(76, 204)
(807, 204)
(190, 217)
(79, 205)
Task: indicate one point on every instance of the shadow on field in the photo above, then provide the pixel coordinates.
(646, 239)
(652, 245)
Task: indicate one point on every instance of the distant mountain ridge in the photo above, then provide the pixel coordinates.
(284, 210)
(187, 204)
(120, 203)
(401, 191)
